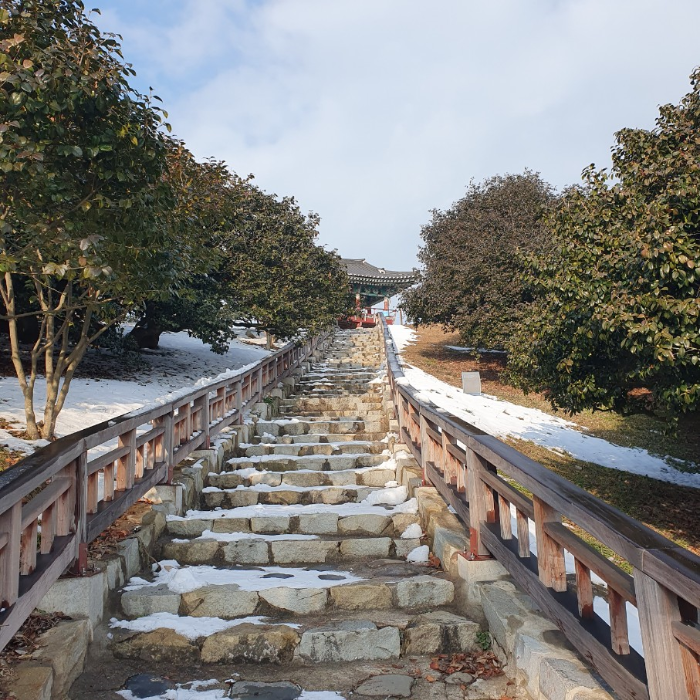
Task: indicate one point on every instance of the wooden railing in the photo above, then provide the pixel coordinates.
(477, 475)
(57, 500)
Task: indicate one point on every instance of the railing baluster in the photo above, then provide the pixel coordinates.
(27, 552)
(619, 637)
(48, 528)
(584, 590)
(523, 526)
(126, 469)
(504, 518)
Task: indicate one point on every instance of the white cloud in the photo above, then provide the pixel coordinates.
(373, 112)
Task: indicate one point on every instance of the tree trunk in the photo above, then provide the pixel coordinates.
(147, 331)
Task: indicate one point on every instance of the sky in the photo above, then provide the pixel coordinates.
(374, 112)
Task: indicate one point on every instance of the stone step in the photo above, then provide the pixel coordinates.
(333, 374)
(299, 427)
(338, 426)
(339, 392)
(311, 448)
(317, 519)
(316, 462)
(214, 497)
(346, 638)
(381, 475)
(238, 548)
(234, 592)
(360, 404)
(336, 437)
(327, 414)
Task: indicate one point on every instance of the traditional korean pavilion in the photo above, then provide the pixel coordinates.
(372, 284)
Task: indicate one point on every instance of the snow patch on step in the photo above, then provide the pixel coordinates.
(390, 496)
(189, 627)
(412, 532)
(265, 510)
(183, 579)
(236, 536)
(419, 555)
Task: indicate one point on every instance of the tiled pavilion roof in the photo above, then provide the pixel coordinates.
(362, 272)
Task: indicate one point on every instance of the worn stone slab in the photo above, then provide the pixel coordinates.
(559, 678)
(272, 524)
(302, 551)
(65, 648)
(251, 643)
(255, 690)
(362, 596)
(161, 645)
(403, 547)
(364, 524)
(227, 601)
(188, 528)
(424, 591)
(32, 681)
(375, 547)
(193, 552)
(296, 600)
(246, 552)
(150, 600)
(386, 686)
(128, 550)
(318, 524)
(440, 632)
(231, 525)
(349, 641)
(82, 596)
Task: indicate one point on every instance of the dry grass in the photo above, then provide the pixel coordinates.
(669, 509)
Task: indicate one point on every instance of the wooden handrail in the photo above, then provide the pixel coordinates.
(58, 486)
(665, 586)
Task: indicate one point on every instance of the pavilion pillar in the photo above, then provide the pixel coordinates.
(386, 303)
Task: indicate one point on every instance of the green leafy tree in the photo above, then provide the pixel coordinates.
(83, 230)
(617, 321)
(473, 257)
(265, 271)
(279, 280)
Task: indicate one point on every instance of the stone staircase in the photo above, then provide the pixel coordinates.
(294, 569)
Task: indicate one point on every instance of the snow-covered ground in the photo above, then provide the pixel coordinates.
(504, 419)
(179, 363)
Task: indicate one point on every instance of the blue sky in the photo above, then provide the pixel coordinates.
(374, 112)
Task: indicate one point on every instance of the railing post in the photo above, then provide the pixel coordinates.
(203, 403)
(81, 508)
(482, 507)
(658, 610)
(127, 464)
(164, 450)
(424, 449)
(11, 526)
(238, 401)
(550, 555)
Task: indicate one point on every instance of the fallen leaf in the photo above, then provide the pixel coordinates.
(430, 679)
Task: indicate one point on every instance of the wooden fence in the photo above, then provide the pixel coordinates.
(57, 500)
(529, 535)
